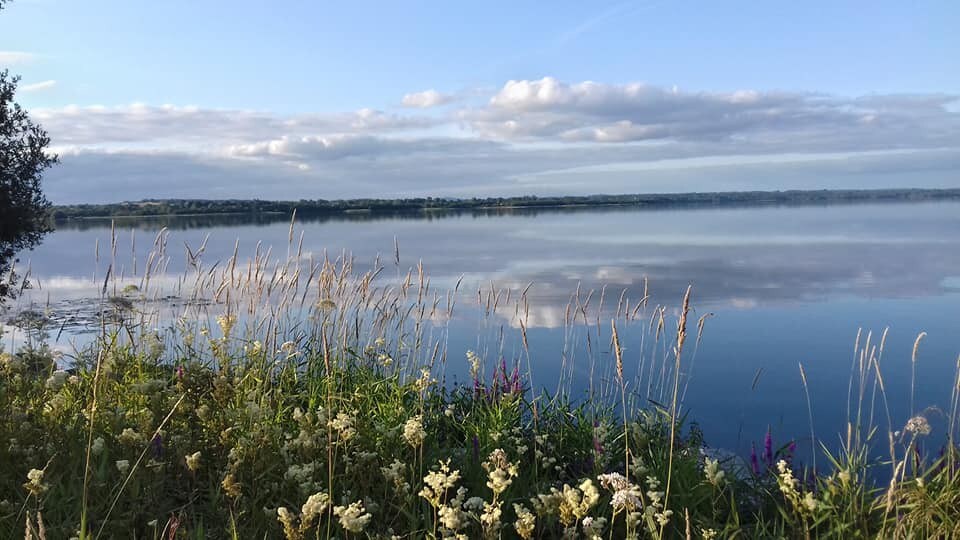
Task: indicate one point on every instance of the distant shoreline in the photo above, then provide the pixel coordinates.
(228, 207)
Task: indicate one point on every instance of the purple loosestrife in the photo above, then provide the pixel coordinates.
(754, 465)
(157, 446)
(768, 449)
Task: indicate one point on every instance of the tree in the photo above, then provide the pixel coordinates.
(23, 158)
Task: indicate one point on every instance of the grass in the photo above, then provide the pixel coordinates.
(303, 399)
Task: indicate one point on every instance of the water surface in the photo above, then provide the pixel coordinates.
(786, 286)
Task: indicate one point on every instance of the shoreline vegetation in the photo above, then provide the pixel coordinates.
(299, 398)
(434, 205)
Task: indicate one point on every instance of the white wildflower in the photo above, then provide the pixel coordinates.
(353, 518)
(193, 461)
(526, 521)
(413, 431)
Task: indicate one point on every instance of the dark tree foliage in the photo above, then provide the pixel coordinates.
(23, 158)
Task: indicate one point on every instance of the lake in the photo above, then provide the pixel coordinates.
(786, 286)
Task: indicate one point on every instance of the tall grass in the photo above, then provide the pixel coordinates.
(300, 396)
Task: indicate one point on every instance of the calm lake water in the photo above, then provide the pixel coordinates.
(786, 285)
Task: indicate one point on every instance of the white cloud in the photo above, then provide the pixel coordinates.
(12, 58)
(552, 110)
(185, 126)
(426, 99)
(530, 137)
(38, 87)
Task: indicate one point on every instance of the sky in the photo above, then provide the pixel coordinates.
(308, 100)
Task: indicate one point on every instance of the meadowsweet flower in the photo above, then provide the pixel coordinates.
(663, 518)
(315, 506)
(450, 515)
(96, 447)
(526, 521)
(130, 437)
(490, 519)
(123, 466)
(395, 475)
(289, 348)
(708, 534)
(289, 521)
(425, 381)
(353, 518)
(844, 477)
(35, 483)
(193, 461)
(712, 472)
(436, 483)
(57, 379)
(500, 472)
(474, 504)
(413, 431)
(475, 364)
(343, 425)
(226, 323)
(231, 487)
(810, 502)
(577, 502)
(918, 425)
(593, 527)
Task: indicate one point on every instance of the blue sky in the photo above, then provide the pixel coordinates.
(215, 99)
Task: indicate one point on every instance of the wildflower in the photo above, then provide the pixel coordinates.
(490, 518)
(712, 472)
(289, 521)
(10, 362)
(475, 364)
(231, 487)
(226, 323)
(575, 503)
(425, 381)
(96, 448)
(474, 504)
(918, 425)
(35, 483)
(413, 431)
(343, 424)
(312, 509)
(810, 502)
(57, 379)
(123, 466)
(289, 348)
(449, 411)
(353, 518)
(526, 521)
(708, 534)
(380, 342)
(500, 472)
(844, 477)
(663, 518)
(451, 517)
(193, 461)
(435, 483)
(395, 475)
(130, 437)
(254, 349)
(593, 527)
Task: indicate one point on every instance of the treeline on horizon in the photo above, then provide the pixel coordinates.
(306, 207)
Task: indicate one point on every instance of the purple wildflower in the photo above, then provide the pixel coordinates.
(157, 446)
(753, 460)
(768, 448)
